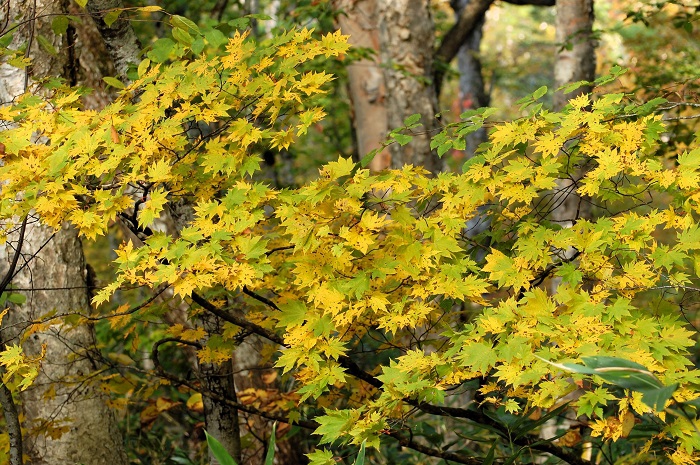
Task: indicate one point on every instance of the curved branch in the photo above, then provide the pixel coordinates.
(308, 424)
(13, 265)
(453, 40)
(356, 371)
(445, 455)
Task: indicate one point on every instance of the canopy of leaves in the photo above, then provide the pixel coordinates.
(356, 262)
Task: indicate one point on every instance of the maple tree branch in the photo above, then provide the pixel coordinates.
(237, 320)
(356, 371)
(260, 298)
(13, 265)
(482, 419)
(345, 361)
(444, 454)
(9, 409)
(539, 279)
(214, 395)
(307, 424)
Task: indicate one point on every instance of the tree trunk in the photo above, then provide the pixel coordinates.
(221, 419)
(576, 60)
(472, 94)
(65, 412)
(406, 37)
(366, 80)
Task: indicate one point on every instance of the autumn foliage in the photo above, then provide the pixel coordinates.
(376, 292)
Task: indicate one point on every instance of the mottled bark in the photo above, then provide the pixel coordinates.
(406, 33)
(66, 414)
(366, 80)
(221, 419)
(121, 41)
(472, 93)
(576, 59)
(14, 429)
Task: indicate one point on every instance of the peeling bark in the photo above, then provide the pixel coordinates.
(406, 33)
(366, 80)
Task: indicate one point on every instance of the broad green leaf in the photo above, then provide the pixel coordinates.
(218, 451)
(17, 299)
(45, 44)
(114, 82)
(657, 398)
(539, 92)
(59, 25)
(180, 22)
(111, 17)
(413, 119)
(270, 457)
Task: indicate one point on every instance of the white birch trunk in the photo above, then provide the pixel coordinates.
(63, 398)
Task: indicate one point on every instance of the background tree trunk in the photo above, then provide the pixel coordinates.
(576, 61)
(366, 80)
(66, 414)
(406, 36)
(221, 419)
(472, 94)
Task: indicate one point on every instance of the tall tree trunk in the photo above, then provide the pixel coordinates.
(66, 413)
(63, 399)
(472, 93)
(576, 61)
(222, 420)
(406, 37)
(366, 80)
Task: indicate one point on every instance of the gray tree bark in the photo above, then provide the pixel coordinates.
(472, 93)
(221, 419)
(366, 80)
(406, 35)
(576, 61)
(63, 399)
(121, 41)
